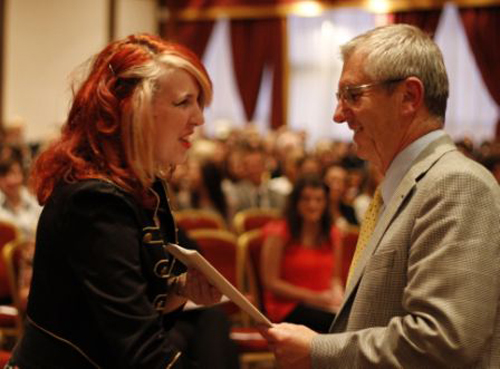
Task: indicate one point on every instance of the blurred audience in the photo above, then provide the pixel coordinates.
(260, 170)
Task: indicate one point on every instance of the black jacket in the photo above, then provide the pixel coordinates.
(99, 282)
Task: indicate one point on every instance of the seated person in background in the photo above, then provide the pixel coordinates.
(253, 191)
(373, 178)
(308, 166)
(300, 259)
(17, 205)
(14, 145)
(233, 171)
(343, 214)
(204, 189)
(284, 183)
(233, 165)
(354, 183)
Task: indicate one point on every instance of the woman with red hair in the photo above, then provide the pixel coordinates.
(104, 292)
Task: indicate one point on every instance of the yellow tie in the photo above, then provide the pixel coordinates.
(367, 227)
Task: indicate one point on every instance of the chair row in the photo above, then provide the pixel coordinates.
(238, 257)
(243, 221)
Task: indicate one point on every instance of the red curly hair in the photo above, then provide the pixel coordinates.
(108, 131)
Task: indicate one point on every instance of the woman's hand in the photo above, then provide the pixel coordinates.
(338, 291)
(194, 286)
(325, 300)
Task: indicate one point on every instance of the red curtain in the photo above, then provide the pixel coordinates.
(257, 44)
(482, 26)
(279, 108)
(193, 34)
(427, 20)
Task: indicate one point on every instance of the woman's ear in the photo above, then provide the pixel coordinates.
(413, 95)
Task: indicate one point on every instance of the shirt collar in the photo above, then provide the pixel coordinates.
(403, 162)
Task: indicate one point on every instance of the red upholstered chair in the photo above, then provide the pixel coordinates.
(255, 218)
(192, 219)
(349, 240)
(221, 249)
(11, 254)
(10, 321)
(250, 246)
(8, 233)
(4, 358)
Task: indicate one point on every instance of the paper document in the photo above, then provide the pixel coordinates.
(190, 305)
(194, 259)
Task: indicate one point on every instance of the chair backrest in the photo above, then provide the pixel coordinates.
(254, 218)
(8, 233)
(219, 247)
(11, 257)
(349, 241)
(11, 254)
(250, 244)
(191, 219)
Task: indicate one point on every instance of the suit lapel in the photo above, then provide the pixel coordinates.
(421, 165)
(382, 224)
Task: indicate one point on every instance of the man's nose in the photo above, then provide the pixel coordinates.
(338, 115)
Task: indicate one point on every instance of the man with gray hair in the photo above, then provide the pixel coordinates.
(424, 286)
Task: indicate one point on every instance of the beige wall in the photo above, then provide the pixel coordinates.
(135, 16)
(45, 41)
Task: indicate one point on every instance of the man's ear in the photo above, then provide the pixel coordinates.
(413, 95)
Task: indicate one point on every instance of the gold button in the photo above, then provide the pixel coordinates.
(161, 268)
(147, 237)
(159, 301)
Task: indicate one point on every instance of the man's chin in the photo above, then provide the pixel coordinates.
(359, 150)
(362, 153)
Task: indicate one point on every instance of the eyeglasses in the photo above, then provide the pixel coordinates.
(350, 94)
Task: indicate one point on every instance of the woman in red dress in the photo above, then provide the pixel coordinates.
(299, 260)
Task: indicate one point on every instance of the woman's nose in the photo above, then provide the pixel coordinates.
(198, 117)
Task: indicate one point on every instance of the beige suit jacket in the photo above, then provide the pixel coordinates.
(426, 290)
